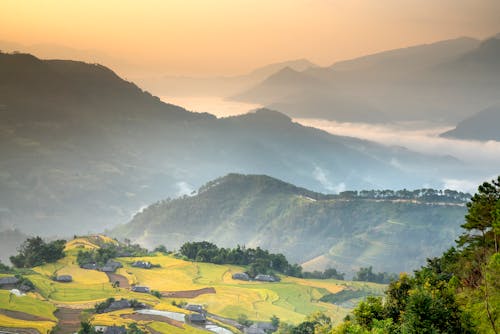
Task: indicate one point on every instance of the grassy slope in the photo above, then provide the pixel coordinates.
(291, 299)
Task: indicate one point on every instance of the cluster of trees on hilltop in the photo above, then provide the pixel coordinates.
(458, 292)
(425, 194)
(366, 274)
(35, 251)
(326, 274)
(109, 251)
(259, 261)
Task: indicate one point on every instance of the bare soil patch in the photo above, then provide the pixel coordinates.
(22, 316)
(17, 330)
(187, 293)
(153, 317)
(120, 278)
(69, 320)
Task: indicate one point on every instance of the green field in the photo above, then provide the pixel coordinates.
(291, 300)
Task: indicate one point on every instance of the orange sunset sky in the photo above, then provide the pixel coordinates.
(225, 37)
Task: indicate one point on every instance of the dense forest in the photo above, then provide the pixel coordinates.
(457, 292)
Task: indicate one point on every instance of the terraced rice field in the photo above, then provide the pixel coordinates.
(211, 285)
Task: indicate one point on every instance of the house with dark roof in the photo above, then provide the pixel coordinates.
(241, 276)
(142, 264)
(118, 305)
(195, 308)
(111, 266)
(89, 266)
(10, 280)
(266, 278)
(197, 318)
(143, 289)
(63, 278)
(115, 330)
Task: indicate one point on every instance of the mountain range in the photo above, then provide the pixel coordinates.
(83, 149)
(392, 231)
(443, 82)
(482, 126)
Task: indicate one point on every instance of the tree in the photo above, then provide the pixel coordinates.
(34, 252)
(369, 310)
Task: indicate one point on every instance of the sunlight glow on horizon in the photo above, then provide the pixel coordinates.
(227, 37)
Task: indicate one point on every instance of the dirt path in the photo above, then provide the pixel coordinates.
(153, 317)
(120, 278)
(187, 293)
(69, 320)
(15, 330)
(22, 315)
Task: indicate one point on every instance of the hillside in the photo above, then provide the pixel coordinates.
(438, 82)
(177, 281)
(83, 149)
(481, 126)
(344, 231)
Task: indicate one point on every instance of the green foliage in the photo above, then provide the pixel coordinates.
(327, 274)
(375, 227)
(100, 307)
(86, 328)
(134, 329)
(35, 251)
(458, 292)
(109, 251)
(259, 261)
(5, 269)
(345, 295)
(161, 249)
(243, 320)
(367, 275)
(369, 310)
(156, 293)
(275, 321)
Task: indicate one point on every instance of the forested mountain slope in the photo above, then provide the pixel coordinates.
(393, 231)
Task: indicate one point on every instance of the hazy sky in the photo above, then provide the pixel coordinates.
(234, 36)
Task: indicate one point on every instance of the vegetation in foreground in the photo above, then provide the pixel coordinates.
(458, 292)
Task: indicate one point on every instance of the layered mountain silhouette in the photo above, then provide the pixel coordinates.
(219, 85)
(482, 126)
(440, 82)
(393, 232)
(83, 149)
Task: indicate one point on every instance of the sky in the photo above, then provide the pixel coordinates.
(227, 37)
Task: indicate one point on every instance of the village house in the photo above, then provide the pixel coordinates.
(63, 278)
(142, 289)
(197, 318)
(111, 266)
(8, 282)
(241, 276)
(89, 266)
(110, 329)
(195, 308)
(142, 264)
(266, 278)
(118, 305)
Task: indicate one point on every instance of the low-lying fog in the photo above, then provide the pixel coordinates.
(481, 158)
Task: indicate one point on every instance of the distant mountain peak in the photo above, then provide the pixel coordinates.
(488, 52)
(266, 115)
(481, 126)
